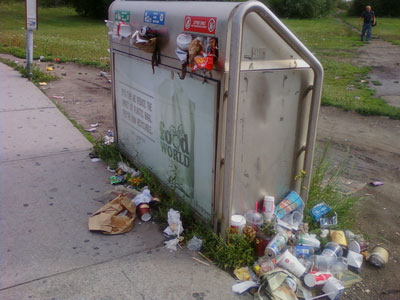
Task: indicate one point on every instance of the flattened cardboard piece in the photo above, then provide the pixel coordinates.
(108, 220)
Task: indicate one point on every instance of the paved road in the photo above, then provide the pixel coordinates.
(48, 188)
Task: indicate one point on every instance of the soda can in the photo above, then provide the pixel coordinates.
(379, 256)
(276, 245)
(316, 278)
(303, 251)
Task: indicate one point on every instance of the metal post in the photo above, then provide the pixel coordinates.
(29, 50)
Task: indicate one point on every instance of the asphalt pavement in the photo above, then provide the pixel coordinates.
(48, 189)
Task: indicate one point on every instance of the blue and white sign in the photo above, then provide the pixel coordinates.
(154, 17)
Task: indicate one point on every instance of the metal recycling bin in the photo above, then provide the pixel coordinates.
(218, 99)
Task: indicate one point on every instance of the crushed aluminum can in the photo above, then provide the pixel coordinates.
(328, 222)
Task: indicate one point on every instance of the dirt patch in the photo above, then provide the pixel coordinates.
(82, 93)
(372, 145)
(384, 58)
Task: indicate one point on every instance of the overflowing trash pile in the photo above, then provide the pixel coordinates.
(294, 263)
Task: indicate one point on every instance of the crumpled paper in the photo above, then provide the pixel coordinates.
(115, 217)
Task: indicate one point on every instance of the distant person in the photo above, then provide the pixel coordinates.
(369, 20)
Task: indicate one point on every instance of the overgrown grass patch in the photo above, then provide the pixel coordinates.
(37, 74)
(324, 188)
(386, 29)
(62, 34)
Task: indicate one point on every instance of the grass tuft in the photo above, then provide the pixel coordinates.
(37, 74)
(324, 188)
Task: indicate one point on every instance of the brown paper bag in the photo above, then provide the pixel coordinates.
(107, 220)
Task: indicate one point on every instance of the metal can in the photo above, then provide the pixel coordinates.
(379, 256)
(276, 245)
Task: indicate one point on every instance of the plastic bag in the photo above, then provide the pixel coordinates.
(171, 244)
(174, 223)
(124, 167)
(195, 244)
(143, 197)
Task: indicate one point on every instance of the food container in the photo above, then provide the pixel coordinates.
(254, 219)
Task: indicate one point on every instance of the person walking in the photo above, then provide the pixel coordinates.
(369, 20)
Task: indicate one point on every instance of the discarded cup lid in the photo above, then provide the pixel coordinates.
(183, 40)
(145, 217)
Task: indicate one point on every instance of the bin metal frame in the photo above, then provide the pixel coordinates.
(227, 161)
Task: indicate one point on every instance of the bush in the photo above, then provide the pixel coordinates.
(54, 3)
(92, 8)
(302, 9)
(390, 8)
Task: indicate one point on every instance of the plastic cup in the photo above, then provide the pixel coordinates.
(332, 249)
(237, 223)
(291, 263)
(144, 212)
(268, 208)
(254, 219)
(333, 288)
(316, 278)
(308, 240)
(291, 202)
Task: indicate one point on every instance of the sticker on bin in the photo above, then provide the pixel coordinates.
(154, 17)
(205, 25)
(123, 15)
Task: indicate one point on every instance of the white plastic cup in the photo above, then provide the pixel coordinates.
(291, 263)
(333, 288)
(268, 208)
(238, 222)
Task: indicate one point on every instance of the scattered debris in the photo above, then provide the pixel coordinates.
(49, 69)
(200, 261)
(42, 83)
(195, 244)
(95, 159)
(58, 97)
(376, 183)
(91, 129)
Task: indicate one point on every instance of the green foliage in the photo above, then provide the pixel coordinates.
(302, 9)
(345, 84)
(390, 8)
(387, 29)
(236, 251)
(324, 188)
(37, 74)
(110, 154)
(62, 34)
(92, 8)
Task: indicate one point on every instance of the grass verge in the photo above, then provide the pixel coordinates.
(345, 85)
(37, 74)
(62, 34)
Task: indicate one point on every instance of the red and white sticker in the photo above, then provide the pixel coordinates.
(205, 25)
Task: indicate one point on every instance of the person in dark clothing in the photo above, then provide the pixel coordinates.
(369, 20)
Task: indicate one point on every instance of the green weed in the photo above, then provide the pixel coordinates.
(37, 74)
(324, 188)
(376, 82)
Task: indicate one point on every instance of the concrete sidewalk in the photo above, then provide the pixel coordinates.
(48, 188)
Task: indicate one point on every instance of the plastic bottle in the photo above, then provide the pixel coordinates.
(332, 264)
